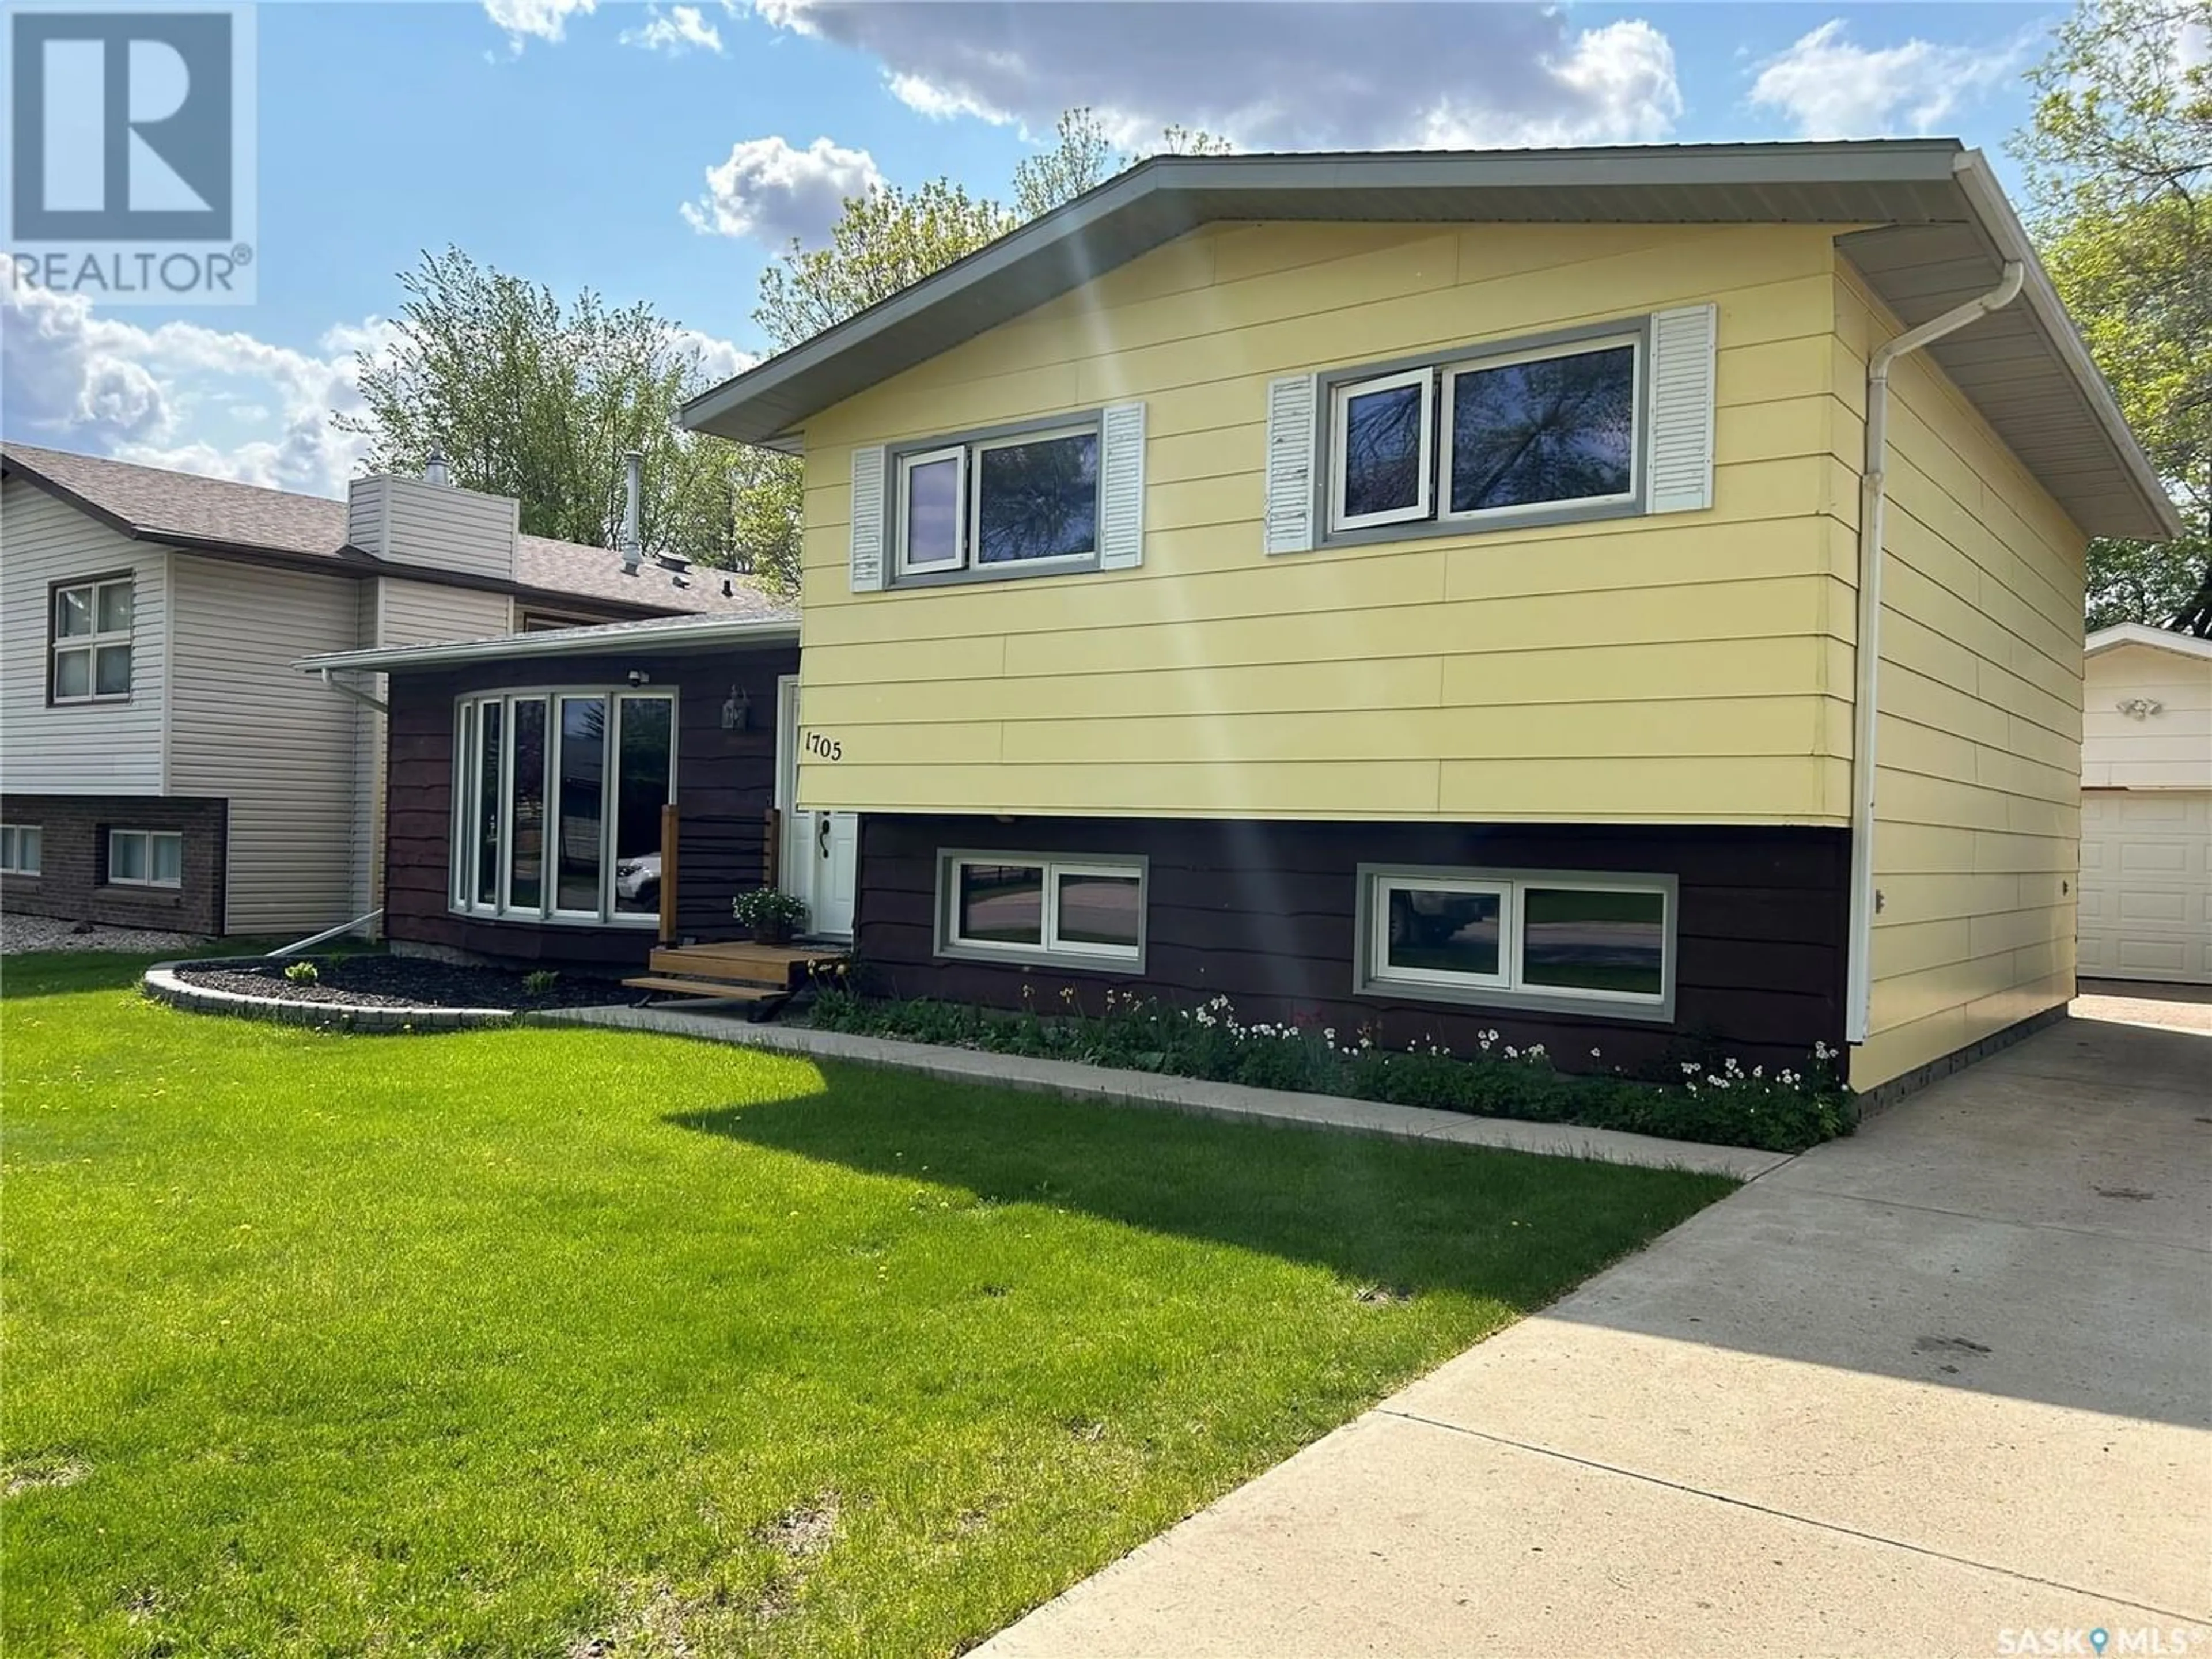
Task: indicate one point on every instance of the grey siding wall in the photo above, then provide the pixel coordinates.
(407, 521)
(248, 726)
(106, 748)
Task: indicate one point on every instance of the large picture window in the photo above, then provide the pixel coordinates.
(557, 798)
(91, 641)
(1029, 499)
(1083, 912)
(1550, 431)
(1519, 938)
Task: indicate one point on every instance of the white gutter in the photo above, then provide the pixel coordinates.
(666, 634)
(1873, 497)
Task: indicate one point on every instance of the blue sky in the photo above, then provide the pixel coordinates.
(563, 141)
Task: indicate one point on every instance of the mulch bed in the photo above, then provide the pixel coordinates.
(382, 982)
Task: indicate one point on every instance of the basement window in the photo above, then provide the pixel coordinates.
(145, 858)
(1567, 941)
(1079, 912)
(22, 848)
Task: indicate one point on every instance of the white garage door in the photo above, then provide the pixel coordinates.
(2147, 884)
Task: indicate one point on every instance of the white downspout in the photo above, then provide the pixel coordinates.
(331, 679)
(1873, 495)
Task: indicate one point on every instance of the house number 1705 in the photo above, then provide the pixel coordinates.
(827, 748)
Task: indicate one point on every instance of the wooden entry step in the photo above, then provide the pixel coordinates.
(735, 970)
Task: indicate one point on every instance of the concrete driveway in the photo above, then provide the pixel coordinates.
(1918, 1392)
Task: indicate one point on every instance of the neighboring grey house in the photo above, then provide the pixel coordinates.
(161, 763)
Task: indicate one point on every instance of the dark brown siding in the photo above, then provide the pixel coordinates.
(1264, 913)
(72, 879)
(725, 783)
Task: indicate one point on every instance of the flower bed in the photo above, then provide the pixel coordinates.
(370, 992)
(1717, 1100)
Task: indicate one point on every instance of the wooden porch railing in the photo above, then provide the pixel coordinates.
(720, 854)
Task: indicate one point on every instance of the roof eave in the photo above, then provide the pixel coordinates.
(2151, 638)
(689, 633)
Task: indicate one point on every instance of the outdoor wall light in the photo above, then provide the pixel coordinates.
(2140, 709)
(737, 710)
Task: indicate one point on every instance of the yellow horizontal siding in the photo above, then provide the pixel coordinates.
(1978, 820)
(1690, 666)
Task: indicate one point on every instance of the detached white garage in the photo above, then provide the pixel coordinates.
(2145, 896)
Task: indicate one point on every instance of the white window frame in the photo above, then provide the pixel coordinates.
(146, 838)
(1372, 976)
(963, 539)
(972, 537)
(1052, 950)
(59, 644)
(1339, 423)
(14, 837)
(1452, 372)
(1378, 943)
(467, 768)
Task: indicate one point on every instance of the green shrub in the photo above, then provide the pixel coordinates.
(1717, 1101)
(301, 972)
(540, 982)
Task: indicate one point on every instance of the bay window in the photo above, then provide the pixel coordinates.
(1520, 939)
(557, 797)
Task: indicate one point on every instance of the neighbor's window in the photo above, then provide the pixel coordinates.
(557, 803)
(1472, 439)
(92, 641)
(1029, 499)
(1518, 937)
(1088, 912)
(22, 847)
(145, 858)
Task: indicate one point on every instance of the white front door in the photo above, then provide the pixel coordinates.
(820, 857)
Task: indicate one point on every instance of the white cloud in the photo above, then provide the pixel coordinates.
(1829, 88)
(1267, 74)
(718, 360)
(770, 190)
(675, 32)
(73, 377)
(527, 19)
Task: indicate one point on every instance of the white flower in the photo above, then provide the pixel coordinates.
(1594, 1054)
(1328, 1035)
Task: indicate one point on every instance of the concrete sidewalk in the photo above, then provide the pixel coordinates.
(1274, 1108)
(1946, 1380)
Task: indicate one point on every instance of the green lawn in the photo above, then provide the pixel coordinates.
(501, 1342)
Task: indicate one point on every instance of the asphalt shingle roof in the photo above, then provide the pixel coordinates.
(212, 514)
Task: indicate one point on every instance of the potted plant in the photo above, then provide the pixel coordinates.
(772, 915)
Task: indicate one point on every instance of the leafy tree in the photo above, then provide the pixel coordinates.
(2120, 151)
(1083, 155)
(526, 396)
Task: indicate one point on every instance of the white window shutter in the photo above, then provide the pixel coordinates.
(868, 520)
(1682, 346)
(1287, 526)
(1122, 487)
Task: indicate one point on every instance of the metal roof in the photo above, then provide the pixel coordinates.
(1938, 231)
(658, 635)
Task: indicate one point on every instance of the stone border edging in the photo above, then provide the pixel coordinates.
(1233, 1101)
(161, 984)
